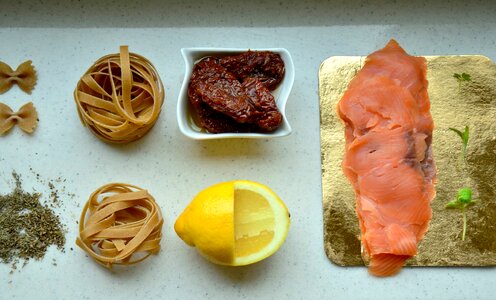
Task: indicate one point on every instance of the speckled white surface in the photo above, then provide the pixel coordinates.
(174, 168)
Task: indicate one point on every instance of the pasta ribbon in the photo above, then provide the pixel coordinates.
(120, 97)
(120, 224)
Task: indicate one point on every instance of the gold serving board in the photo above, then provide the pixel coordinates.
(473, 103)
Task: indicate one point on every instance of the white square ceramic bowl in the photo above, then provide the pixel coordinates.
(281, 94)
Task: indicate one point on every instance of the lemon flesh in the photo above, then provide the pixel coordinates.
(253, 223)
(261, 222)
(235, 223)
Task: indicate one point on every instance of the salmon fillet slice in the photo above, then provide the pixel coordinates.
(388, 156)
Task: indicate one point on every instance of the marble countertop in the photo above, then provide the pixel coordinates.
(64, 38)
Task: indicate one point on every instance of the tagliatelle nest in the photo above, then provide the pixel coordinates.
(120, 224)
(120, 97)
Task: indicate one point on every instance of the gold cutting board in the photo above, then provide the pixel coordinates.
(472, 104)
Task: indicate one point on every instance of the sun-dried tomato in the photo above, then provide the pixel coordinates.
(267, 66)
(227, 99)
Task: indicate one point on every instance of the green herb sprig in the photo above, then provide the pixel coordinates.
(462, 202)
(464, 136)
(461, 78)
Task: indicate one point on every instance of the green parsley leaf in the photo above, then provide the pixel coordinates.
(464, 136)
(466, 77)
(462, 202)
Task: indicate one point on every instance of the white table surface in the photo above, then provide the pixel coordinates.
(64, 39)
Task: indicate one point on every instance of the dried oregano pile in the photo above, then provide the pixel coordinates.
(27, 227)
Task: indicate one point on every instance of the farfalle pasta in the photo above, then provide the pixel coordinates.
(26, 118)
(120, 97)
(24, 76)
(120, 224)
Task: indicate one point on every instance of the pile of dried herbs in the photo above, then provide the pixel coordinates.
(27, 227)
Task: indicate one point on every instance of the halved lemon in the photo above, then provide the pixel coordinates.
(235, 223)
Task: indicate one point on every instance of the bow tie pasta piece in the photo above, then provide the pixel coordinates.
(120, 97)
(24, 76)
(26, 118)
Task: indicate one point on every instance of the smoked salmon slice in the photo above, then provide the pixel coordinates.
(388, 156)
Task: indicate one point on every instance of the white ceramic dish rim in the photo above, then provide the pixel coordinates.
(182, 103)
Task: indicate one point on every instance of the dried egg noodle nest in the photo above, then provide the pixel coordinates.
(120, 97)
(124, 228)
